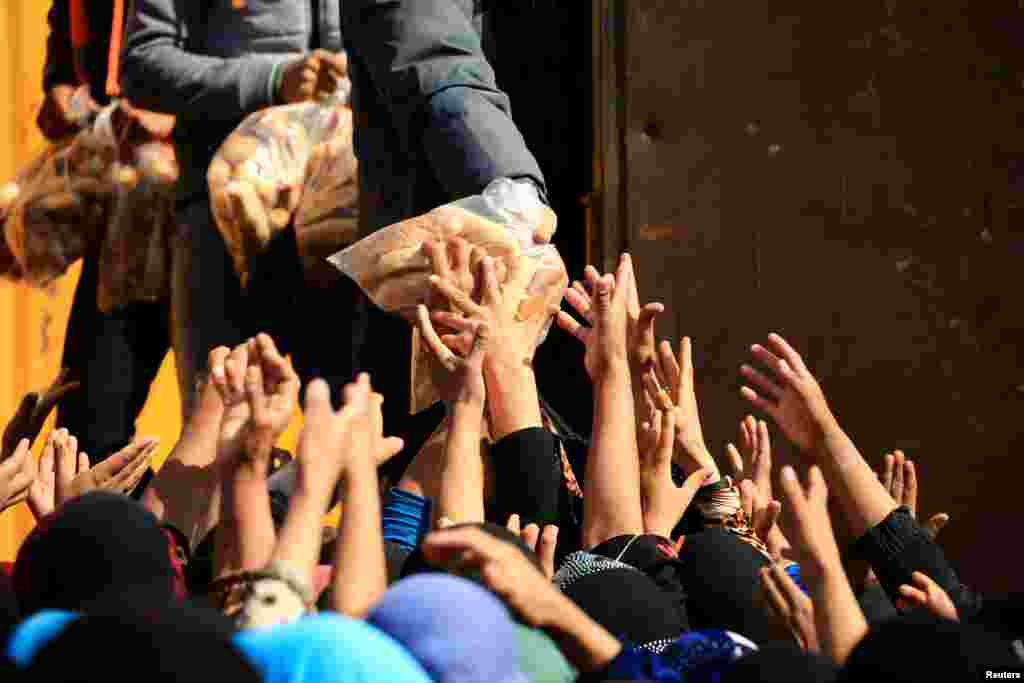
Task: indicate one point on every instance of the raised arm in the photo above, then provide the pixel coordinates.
(612, 505)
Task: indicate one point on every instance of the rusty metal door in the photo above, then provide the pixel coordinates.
(846, 175)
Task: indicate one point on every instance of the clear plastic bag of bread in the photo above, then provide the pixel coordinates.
(282, 163)
(58, 205)
(134, 262)
(508, 221)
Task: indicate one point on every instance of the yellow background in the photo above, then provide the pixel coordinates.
(32, 323)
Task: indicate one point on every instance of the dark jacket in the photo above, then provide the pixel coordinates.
(211, 65)
(431, 123)
(60, 68)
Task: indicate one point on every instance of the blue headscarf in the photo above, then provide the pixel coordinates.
(35, 633)
(458, 631)
(328, 648)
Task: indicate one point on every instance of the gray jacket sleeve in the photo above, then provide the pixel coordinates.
(159, 73)
(426, 63)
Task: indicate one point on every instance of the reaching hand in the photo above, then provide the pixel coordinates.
(32, 413)
(271, 390)
(664, 503)
(815, 542)
(928, 594)
(228, 369)
(542, 544)
(503, 568)
(120, 473)
(606, 340)
(332, 441)
(382, 448)
(680, 399)
(791, 605)
(753, 469)
(900, 480)
(755, 461)
(460, 380)
(16, 476)
(515, 329)
(639, 320)
(792, 397)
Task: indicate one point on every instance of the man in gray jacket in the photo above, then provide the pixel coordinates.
(212, 63)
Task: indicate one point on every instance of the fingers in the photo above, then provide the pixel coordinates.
(437, 253)
(581, 304)
(768, 407)
(444, 523)
(910, 486)
(748, 435)
(817, 490)
(434, 343)
(648, 315)
(275, 365)
(443, 544)
(234, 368)
(793, 492)
(735, 461)
(761, 381)
(787, 352)
(887, 473)
(936, 524)
(762, 461)
(748, 492)
(254, 392)
(625, 279)
(317, 405)
(569, 324)
(546, 551)
(662, 401)
(531, 536)
(130, 476)
(456, 296)
(454, 321)
(773, 592)
(897, 478)
(603, 289)
(491, 291)
(914, 595)
(65, 465)
(47, 462)
(767, 518)
(513, 525)
(83, 462)
(665, 424)
(670, 369)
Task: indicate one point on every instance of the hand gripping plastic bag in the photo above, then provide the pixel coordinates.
(506, 221)
(283, 163)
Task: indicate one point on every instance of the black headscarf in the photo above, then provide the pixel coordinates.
(92, 545)
(172, 643)
(922, 648)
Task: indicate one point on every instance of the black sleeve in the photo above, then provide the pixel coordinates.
(897, 547)
(60, 62)
(529, 476)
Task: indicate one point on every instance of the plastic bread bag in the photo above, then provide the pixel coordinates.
(328, 213)
(256, 178)
(390, 265)
(61, 202)
(134, 262)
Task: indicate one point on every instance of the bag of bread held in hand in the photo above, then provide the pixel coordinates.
(57, 207)
(285, 163)
(508, 221)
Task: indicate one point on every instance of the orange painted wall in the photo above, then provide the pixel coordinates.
(32, 323)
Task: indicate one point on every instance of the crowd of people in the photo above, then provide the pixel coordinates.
(506, 547)
(652, 566)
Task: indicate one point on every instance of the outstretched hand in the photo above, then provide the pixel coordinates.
(664, 503)
(929, 595)
(900, 479)
(790, 394)
(28, 421)
(460, 380)
(605, 340)
(670, 388)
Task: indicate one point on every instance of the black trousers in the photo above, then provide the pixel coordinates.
(116, 357)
